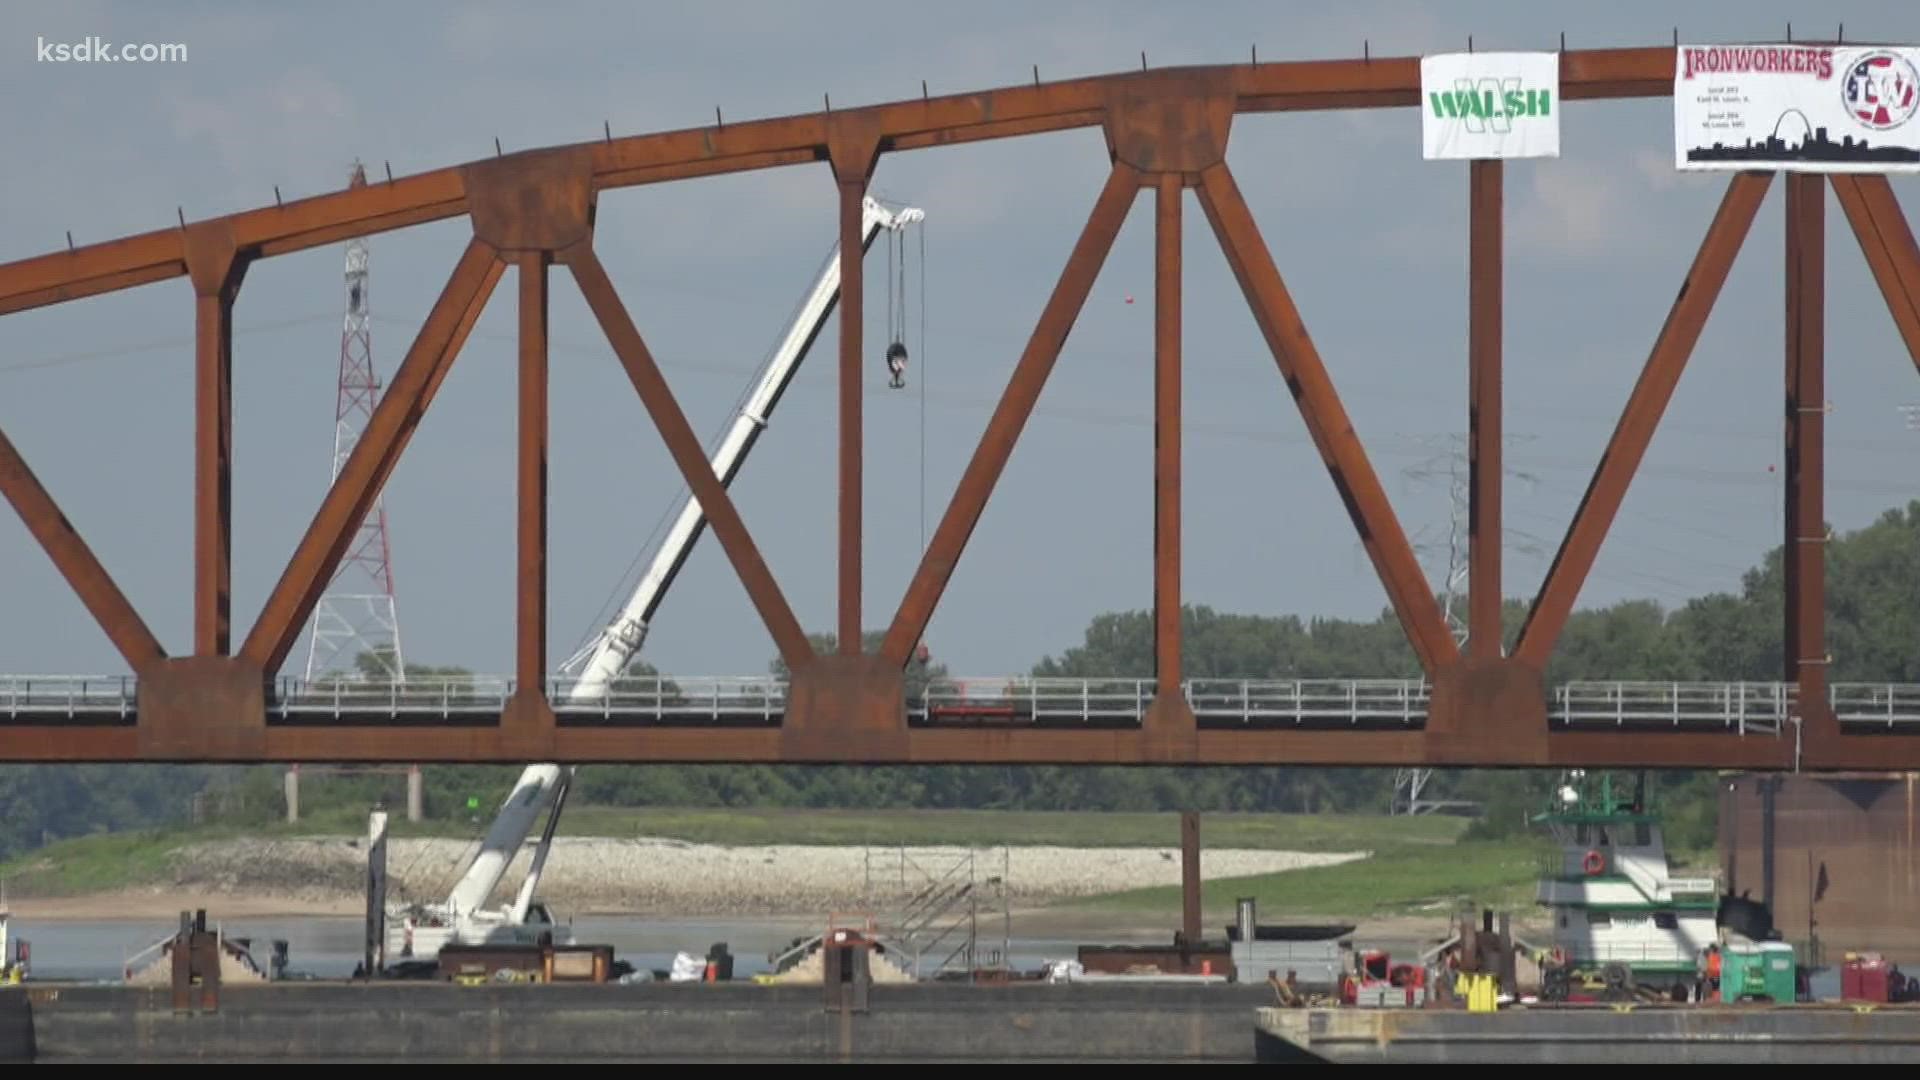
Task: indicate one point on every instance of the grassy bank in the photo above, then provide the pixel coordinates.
(109, 862)
(1400, 878)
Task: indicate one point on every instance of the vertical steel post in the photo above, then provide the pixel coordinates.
(215, 269)
(852, 307)
(1484, 332)
(530, 640)
(1805, 525)
(1166, 435)
(1190, 876)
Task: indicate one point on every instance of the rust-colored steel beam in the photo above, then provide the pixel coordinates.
(852, 149)
(1312, 389)
(1010, 416)
(213, 474)
(530, 639)
(1888, 244)
(1644, 408)
(216, 271)
(76, 561)
(1190, 877)
(1805, 554)
(853, 286)
(681, 442)
(406, 399)
(1894, 229)
(758, 144)
(1166, 434)
(60, 294)
(1485, 638)
(1037, 746)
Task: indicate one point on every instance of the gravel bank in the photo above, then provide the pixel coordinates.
(672, 877)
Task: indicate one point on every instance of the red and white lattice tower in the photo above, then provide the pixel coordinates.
(357, 616)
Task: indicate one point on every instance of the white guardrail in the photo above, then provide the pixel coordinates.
(1741, 707)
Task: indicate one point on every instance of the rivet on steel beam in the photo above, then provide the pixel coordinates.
(276, 195)
(497, 152)
(389, 166)
(69, 239)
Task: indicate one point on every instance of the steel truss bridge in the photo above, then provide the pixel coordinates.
(1166, 132)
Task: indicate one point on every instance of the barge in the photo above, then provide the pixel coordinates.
(1613, 1035)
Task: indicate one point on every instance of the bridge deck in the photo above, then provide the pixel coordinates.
(1747, 708)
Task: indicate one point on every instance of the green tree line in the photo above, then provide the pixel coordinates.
(1873, 588)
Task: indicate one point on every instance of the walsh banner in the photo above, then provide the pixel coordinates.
(1490, 105)
(1800, 108)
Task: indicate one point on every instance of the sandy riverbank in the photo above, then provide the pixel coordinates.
(317, 876)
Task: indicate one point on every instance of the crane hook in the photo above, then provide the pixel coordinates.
(897, 365)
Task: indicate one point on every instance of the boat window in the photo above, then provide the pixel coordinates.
(1666, 920)
(1599, 918)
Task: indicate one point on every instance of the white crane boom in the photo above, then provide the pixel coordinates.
(622, 638)
(544, 786)
(532, 794)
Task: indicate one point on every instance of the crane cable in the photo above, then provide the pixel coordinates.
(897, 335)
(922, 389)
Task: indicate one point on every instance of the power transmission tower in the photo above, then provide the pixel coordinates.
(1451, 463)
(357, 615)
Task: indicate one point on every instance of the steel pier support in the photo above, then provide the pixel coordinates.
(1806, 526)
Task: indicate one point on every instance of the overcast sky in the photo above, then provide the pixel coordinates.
(1372, 240)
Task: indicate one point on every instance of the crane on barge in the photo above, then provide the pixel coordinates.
(418, 931)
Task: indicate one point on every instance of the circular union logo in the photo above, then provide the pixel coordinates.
(1882, 91)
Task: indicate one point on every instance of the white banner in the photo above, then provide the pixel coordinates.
(1799, 108)
(1490, 105)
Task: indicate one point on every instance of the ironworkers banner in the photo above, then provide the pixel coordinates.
(1799, 108)
(1490, 105)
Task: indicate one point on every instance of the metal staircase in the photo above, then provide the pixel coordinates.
(928, 906)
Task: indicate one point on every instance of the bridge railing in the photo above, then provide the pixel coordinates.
(416, 697)
(716, 699)
(1038, 700)
(636, 698)
(1738, 707)
(1891, 704)
(1745, 707)
(75, 697)
(1301, 701)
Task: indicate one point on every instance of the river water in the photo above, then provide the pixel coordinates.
(330, 948)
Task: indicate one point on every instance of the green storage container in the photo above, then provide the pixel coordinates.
(1763, 971)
